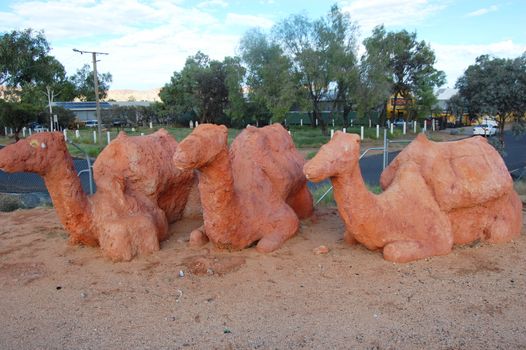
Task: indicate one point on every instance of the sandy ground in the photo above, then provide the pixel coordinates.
(56, 296)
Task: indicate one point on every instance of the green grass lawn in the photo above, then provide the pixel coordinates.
(304, 137)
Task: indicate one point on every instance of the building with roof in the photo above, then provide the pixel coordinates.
(88, 110)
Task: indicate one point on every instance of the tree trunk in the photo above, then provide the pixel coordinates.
(345, 115)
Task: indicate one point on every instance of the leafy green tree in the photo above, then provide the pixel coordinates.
(83, 82)
(271, 83)
(496, 86)
(339, 34)
(23, 57)
(17, 115)
(407, 64)
(301, 40)
(209, 89)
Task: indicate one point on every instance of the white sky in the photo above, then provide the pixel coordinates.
(148, 40)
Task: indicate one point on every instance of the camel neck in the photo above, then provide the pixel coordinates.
(349, 187)
(69, 199)
(216, 185)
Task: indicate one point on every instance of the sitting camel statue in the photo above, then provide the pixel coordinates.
(254, 192)
(470, 182)
(139, 191)
(405, 220)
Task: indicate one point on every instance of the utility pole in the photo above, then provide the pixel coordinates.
(96, 83)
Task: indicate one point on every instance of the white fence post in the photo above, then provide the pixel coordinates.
(361, 132)
(316, 121)
(344, 130)
(333, 122)
(65, 132)
(197, 123)
(151, 125)
(77, 134)
(332, 133)
(5, 130)
(404, 128)
(425, 125)
(142, 134)
(377, 131)
(392, 128)
(30, 131)
(191, 124)
(94, 137)
(108, 135)
(414, 126)
(24, 131)
(301, 122)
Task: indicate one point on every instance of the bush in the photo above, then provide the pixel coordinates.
(10, 203)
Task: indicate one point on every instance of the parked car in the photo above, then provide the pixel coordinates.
(484, 130)
(39, 128)
(92, 123)
(399, 123)
(119, 122)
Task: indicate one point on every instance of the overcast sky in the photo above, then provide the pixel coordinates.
(148, 40)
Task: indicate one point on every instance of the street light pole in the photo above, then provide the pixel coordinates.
(96, 84)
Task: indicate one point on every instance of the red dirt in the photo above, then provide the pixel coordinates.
(59, 296)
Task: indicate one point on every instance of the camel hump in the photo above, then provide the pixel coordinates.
(459, 173)
(161, 132)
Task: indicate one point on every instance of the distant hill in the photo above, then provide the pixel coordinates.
(133, 95)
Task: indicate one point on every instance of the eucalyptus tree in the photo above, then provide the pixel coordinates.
(496, 86)
(339, 33)
(301, 40)
(270, 80)
(408, 65)
(83, 82)
(210, 89)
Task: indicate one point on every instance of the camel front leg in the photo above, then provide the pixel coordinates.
(284, 226)
(410, 250)
(301, 202)
(198, 237)
(125, 238)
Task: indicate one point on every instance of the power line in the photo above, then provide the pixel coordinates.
(96, 83)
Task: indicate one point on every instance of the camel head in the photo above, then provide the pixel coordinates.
(339, 155)
(201, 147)
(34, 154)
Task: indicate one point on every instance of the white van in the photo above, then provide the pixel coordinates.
(92, 123)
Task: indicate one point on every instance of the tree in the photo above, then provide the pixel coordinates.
(271, 82)
(208, 88)
(339, 33)
(496, 86)
(301, 40)
(408, 65)
(83, 82)
(23, 57)
(17, 115)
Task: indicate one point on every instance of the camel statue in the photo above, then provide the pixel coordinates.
(406, 220)
(139, 191)
(254, 192)
(470, 182)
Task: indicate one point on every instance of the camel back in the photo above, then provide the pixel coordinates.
(142, 163)
(268, 150)
(460, 173)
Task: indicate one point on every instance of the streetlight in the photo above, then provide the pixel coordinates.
(96, 83)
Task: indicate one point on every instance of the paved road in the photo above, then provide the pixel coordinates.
(371, 166)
